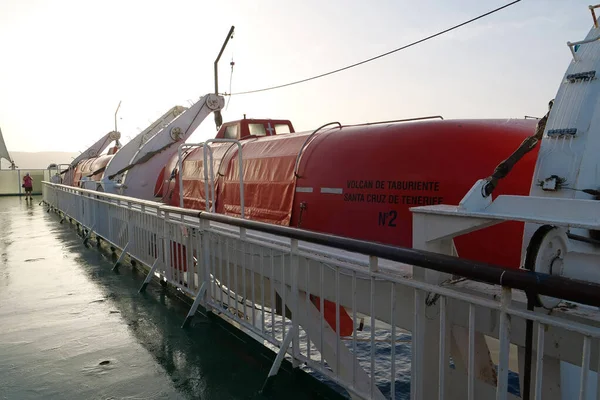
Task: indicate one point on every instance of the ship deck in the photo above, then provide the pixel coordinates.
(71, 328)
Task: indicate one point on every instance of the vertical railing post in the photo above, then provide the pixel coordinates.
(204, 294)
(539, 363)
(240, 170)
(471, 355)
(180, 171)
(504, 349)
(167, 245)
(205, 224)
(393, 341)
(443, 359)
(241, 176)
(192, 267)
(143, 232)
(417, 337)
(78, 208)
(109, 209)
(585, 366)
(597, 380)
(295, 309)
(213, 197)
(130, 224)
(206, 191)
(373, 268)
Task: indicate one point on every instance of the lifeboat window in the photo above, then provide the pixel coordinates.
(231, 132)
(257, 129)
(281, 129)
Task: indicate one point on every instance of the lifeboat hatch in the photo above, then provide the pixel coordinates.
(245, 128)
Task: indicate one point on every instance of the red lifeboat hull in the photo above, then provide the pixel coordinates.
(364, 181)
(361, 181)
(93, 168)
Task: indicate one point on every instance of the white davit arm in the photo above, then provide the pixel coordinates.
(98, 147)
(123, 157)
(93, 151)
(181, 128)
(140, 176)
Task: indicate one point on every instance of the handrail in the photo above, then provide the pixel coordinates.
(59, 168)
(527, 281)
(180, 168)
(343, 126)
(398, 120)
(306, 142)
(571, 45)
(211, 200)
(111, 196)
(206, 148)
(240, 160)
(223, 159)
(592, 9)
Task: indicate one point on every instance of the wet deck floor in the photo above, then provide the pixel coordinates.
(70, 328)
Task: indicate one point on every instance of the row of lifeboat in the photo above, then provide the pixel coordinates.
(357, 181)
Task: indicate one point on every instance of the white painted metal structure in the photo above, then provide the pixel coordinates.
(236, 272)
(125, 154)
(568, 162)
(237, 268)
(93, 151)
(139, 176)
(559, 216)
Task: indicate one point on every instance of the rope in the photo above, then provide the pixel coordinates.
(504, 168)
(379, 56)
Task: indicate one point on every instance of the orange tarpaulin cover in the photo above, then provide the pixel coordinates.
(267, 173)
(268, 176)
(269, 188)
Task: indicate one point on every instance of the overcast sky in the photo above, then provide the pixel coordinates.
(66, 64)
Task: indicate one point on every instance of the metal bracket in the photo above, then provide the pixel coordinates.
(575, 45)
(475, 200)
(195, 305)
(149, 276)
(277, 363)
(116, 266)
(87, 236)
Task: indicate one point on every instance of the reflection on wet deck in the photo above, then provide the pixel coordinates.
(70, 328)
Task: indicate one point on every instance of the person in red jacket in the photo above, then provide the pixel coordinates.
(28, 185)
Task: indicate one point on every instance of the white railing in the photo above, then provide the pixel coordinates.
(249, 272)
